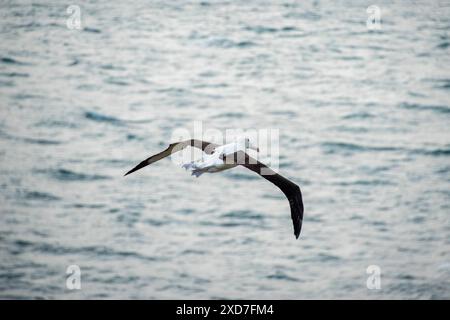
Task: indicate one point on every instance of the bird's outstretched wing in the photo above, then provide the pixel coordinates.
(290, 189)
(207, 147)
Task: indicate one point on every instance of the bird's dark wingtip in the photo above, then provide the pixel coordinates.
(139, 166)
(131, 171)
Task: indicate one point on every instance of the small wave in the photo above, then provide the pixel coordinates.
(210, 85)
(331, 147)
(264, 29)
(115, 279)
(38, 195)
(207, 74)
(91, 30)
(68, 175)
(443, 45)
(186, 211)
(41, 141)
(14, 74)
(156, 223)
(350, 129)
(180, 288)
(74, 63)
(22, 243)
(29, 140)
(115, 162)
(27, 96)
(288, 28)
(418, 219)
(243, 214)
(436, 152)
(110, 66)
(87, 87)
(275, 196)
(287, 113)
(261, 29)
(97, 117)
(131, 137)
(304, 15)
(235, 115)
(315, 219)
(279, 275)
(443, 170)
(241, 176)
(130, 218)
(405, 277)
(12, 275)
(193, 252)
(117, 82)
(226, 43)
(7, 60)
(228, 224)
(377, 223)
(444, 84)
(358, 115)
(100, 251)
(173, 90)
(87, 206)
(350, 58)
(55, 124)
(327, 257)
(6, 83)
(415, 106)
(373, 182)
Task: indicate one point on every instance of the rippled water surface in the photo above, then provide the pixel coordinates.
(364, 130)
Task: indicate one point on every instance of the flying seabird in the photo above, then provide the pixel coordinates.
(222, 157)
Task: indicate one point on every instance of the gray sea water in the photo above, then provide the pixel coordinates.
(364, 120)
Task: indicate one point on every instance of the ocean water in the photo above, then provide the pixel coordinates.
(364, 123)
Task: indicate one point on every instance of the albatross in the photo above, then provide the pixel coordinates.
(217, 158)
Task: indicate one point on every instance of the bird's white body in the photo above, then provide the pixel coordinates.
(214, 162)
